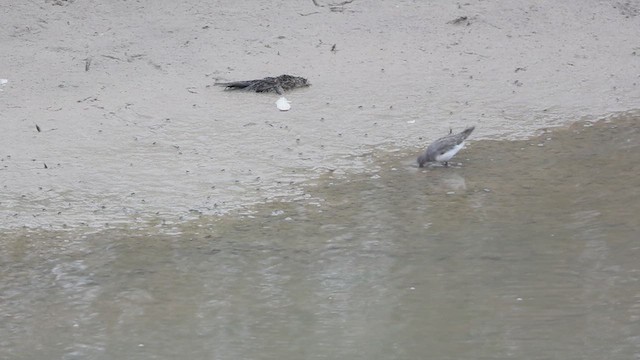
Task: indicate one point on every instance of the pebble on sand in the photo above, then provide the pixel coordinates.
(283, 104)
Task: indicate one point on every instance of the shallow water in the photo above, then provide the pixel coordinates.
(520, 250)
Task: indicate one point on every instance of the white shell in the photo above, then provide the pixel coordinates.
(283, 104)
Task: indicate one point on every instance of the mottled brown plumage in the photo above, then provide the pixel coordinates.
(278, 84)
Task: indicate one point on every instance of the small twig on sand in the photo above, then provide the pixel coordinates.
(131, 58)
(111, 57)
(315, 2)
(459, 20)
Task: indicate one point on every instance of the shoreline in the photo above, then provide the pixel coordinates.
(115, 99)
(305, 192)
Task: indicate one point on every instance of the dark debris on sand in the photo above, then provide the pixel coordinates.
(278, 84)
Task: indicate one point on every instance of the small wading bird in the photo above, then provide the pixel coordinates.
(278, 84)
(443, 149)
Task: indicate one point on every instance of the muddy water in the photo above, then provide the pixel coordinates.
(523, 250)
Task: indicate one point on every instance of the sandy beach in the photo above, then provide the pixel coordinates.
(109, 115)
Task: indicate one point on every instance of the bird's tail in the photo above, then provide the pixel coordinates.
(468, 131)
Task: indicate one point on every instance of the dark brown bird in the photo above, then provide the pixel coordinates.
(278, 84)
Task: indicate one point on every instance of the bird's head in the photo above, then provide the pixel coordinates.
(422, 159)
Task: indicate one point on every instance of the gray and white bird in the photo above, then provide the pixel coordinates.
(443, 149)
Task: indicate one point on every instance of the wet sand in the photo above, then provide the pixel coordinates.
(131, 129)
(523, 249)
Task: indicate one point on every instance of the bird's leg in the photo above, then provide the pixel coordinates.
(446, 164)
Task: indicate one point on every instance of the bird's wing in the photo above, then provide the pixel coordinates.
(237, 84)
(445, 144)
